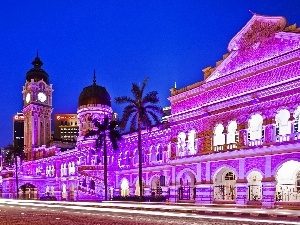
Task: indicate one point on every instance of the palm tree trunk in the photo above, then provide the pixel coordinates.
(17, 179)
(140, 162)
(105, 169)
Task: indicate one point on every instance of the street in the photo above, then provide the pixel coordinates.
(52, 213)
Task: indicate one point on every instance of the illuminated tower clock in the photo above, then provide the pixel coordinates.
(37, 96)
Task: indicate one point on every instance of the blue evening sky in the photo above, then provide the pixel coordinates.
(124, 41)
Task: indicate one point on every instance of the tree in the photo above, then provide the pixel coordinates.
(12, 153)
(108, 130)
(141, 112)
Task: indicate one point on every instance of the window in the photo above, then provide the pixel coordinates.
(153, 154)
(136, 157)
(255, 130)
(162, 180)
(229, 176)
(232, 135)
(181, 144)
(159, 155)
(283, 125)
(298, 181)
(219, 137)
(192, 143)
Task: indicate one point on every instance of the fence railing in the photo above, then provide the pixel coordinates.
(254, 192)
(186, 193)
(287, 193)
(224, 192)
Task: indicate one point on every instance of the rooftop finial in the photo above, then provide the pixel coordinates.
(37, 63)
(252, 12)
(94, 79)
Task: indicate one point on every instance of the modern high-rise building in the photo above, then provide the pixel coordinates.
(65, 127)
(18, 129)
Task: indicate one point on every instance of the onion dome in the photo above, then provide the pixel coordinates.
(37, 73)
(94, 94)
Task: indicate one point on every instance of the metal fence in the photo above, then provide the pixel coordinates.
(287, 193)
(254, 192)
(186, 193)
(224, 192)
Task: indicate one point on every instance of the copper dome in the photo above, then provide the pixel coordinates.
(37, 73)
(94, 94)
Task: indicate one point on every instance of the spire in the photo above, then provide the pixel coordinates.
(251, 12)
(37, 63)
(94, 78)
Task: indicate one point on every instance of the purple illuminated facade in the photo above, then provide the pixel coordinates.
(232, 138)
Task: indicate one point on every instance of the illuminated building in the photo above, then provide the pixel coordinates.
(232, 138)
(65, 127)
(18, 129)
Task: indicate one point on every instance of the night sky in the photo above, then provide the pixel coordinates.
(124, 41)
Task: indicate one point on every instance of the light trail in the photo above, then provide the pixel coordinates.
(143, 212)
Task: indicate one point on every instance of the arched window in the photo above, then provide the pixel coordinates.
(192, 142)
(229, 176)
(255, 130)
(232, 135)
(298, 181)
(153, 154)
(136, 157)
(181, 144)
(219, 137)
(296, 121)
(124, 187)
(283, 126)
(159, 155)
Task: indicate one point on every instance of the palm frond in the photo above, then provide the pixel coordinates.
(151, 97)
(133, 123)
(155, 108)
(154, 117)
(145, 119)
(136, 91)
(124, 99)
(144, 84)
(125, 118)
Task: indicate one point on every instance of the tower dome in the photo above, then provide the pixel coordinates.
(37, 73)
(94, 94)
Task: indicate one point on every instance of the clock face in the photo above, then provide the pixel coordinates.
(42, 97)
(27, 97)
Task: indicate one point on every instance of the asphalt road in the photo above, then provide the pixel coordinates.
(20, 215)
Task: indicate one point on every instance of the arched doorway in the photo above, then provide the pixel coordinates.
(64, 192)
(124, 187)
(254, 186)
(156, 186)
(27, 191)
(137, 188)
(288, 182)
(71, 193)
(186, 190)
(224, 185)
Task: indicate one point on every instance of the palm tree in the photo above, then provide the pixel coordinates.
(142, 111)
(12, 153)
(108, 130)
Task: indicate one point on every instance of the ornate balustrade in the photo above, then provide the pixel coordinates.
(287, 193)
(186, 193)
(254, 192)
(256, 142)
(224, 192)
(90, 167)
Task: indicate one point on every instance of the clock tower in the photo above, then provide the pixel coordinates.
(37, 109)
